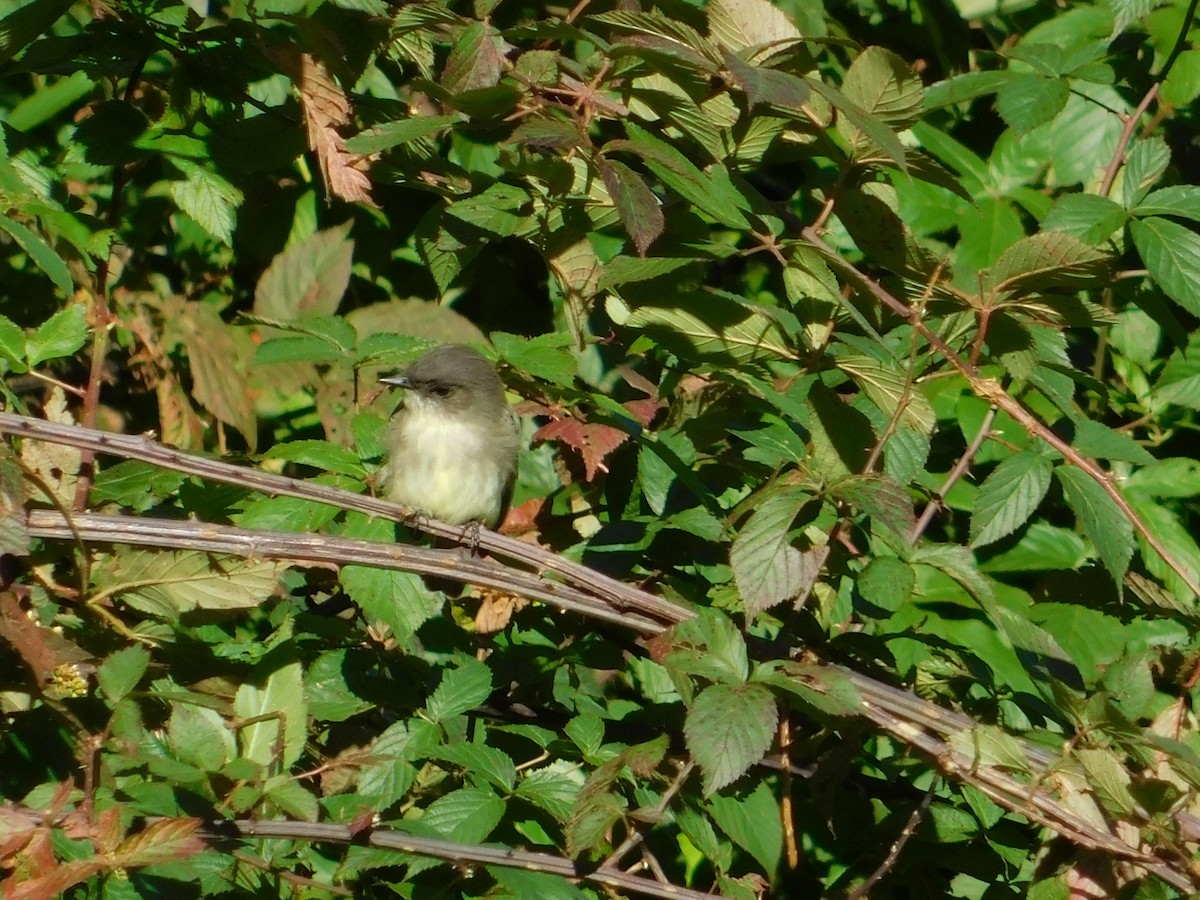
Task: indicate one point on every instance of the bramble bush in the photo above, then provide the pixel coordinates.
(858, 353)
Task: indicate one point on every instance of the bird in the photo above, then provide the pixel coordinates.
(452, 446)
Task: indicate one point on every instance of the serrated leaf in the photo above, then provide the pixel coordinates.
(886, 582)
(728, 729)
(320, 455)
(168, 583)
(63, 334)
(23, 24)
(275, 691)
(707, 326)
(884, 85)
(1182, 200)
(502, 209)
(121, 671)
(42, 254)
(1172, 254)
(543, 356)
(889, 386)
(746, 24)
(468, 815)
(768, 569)
(390, 134)
(475, 61)
(482, 761)
(460, 690)
(1100, 518)
(1009, 496)
(218, 354)
(1108, 778)
(772, 87)
(1101, 442)
(554, 788)
(1048, 260)
(881, 498)
(753, 822)
(708, 645)
(12, 343)
(308, 278)
(636, 204)
(1031, 100)
(207, 198)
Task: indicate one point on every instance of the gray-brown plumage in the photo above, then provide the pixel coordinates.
(452, 446)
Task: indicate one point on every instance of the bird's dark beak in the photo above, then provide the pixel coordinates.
(400, 380)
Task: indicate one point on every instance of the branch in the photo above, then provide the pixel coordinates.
(148, 531)
(452, 852)
(918, 723)
(620, 596)
(992, 391)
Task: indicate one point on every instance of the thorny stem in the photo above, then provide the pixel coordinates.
(959, 470)
(992, 391)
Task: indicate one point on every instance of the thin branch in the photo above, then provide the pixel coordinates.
(992, 391)
(959, 470)
(652, 816)
(620, 596)
(920, 724)
(452, 852)
(148, 531)
(889, 861)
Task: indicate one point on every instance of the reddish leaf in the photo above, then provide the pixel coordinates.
(636, 204)
(593, 441)
(163, 841)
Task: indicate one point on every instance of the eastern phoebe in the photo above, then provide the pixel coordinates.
(452, 446)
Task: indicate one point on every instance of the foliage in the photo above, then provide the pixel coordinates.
(865, 335)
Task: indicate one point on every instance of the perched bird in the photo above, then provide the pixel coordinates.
(452, 446)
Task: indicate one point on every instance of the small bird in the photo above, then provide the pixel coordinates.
(452, 446)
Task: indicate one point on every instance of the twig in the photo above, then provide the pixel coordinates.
(992, 391)
(920, 724)
(452, 852)
(654, 815)
(959, 470)
(894, 853)
(148, 531)
(617, 594)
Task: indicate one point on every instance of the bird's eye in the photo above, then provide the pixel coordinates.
(440, 391)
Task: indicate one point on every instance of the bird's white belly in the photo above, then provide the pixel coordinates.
(446, 470)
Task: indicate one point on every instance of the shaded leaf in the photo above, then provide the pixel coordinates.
(728, 729)
(1009, 496)
(638, 207)
(1101, 519)
(767, 567)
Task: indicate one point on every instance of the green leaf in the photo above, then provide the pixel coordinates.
(43, 255)
(1048, 260)
(884, 85)
(208, 198)
(467, 815)
(542, 357)
(320, 455)
(475, 60)
(460, 690)
(275, 692)
(966, 87)
(771, 87)
(1091, 218)
(199, 737)
(329, 696)
(400, 600)
(480, 761)
(1028, 101)
(708, 326)
(753, 822)
(710, 646)
(887, 582)
(390, 134)
(519, 885)
(1009, 496)
(121, 671)
(1178, 476)
(308, 278)
(1101, 442)
(166, 583)
(748, 24)
(1172, 254)
(554, 788)
(636, 204)
(502, 210)
(1181, 200)
(63, 334)
(287, 514)
(1101, 519)
(768, 569)
(862, 122)
(24, 24)
(12, 343)
(879, 497)
(728, 729)
(1109, 778)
